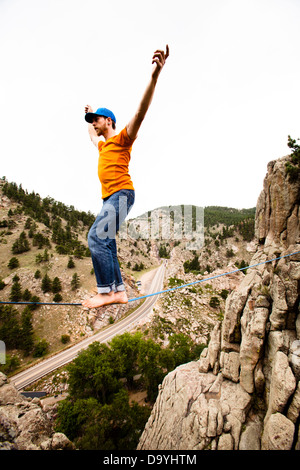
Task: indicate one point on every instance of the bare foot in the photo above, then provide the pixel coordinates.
(100, 300)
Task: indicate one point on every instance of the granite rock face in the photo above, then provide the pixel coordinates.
(24, 425)
(243, 392)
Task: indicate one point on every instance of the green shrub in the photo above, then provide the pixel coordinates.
(214, 302)
(13, 263)
(57, 298)
(292, 167)
(41, 348)
(65, 339)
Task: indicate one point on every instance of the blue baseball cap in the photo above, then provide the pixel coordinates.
(100, 112)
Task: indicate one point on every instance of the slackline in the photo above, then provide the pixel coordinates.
(162, 291)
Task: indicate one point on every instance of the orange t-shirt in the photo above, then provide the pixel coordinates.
(114, 158)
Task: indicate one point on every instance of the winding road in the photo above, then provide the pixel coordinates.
(34, 373)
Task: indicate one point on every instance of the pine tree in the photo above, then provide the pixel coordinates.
(163, 252)
(193, 265)
(21, 244)
(75, 281)
(27, 331)
(28, 222)
(71, 263)
(16, 292)
(37, 274)
(10, 331)
(26, 295)
(46, 255)
(33, 306)
(56, 285)
(293, 166)
(57, 298)
(46, 284)
(13, 263)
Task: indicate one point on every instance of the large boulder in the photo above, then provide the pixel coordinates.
(24, 424)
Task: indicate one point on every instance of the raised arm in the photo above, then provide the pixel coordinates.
(159, 59)
(92, 133)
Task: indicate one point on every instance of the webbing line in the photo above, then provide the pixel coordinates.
(163, 291)
(214, 277)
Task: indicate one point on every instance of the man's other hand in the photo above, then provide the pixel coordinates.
(159, 59)
(88, 109)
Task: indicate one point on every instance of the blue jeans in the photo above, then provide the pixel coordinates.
(102, 240)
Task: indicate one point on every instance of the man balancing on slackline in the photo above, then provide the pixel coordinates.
(117, 190)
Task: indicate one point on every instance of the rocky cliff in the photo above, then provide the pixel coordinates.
(244, 391)
(25, 424)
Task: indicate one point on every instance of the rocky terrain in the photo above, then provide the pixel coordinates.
(194, 310)
(138, 256)
(243, 392)
(25, 424)
(52, 322)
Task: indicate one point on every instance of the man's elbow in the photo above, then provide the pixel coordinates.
(134, 125)
(95, 140)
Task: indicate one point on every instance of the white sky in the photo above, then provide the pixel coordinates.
(224, 105)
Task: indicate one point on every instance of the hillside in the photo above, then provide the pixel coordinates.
(195, 310)
(43, 240)
(43, 251)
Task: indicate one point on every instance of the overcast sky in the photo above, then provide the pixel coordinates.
(224, 105)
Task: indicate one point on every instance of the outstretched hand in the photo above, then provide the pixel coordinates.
(159, 59)
(88, 109)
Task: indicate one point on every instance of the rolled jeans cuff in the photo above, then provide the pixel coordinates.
(109, 288)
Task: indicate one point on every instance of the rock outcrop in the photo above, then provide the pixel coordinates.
(244, 391)
(24, 425)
